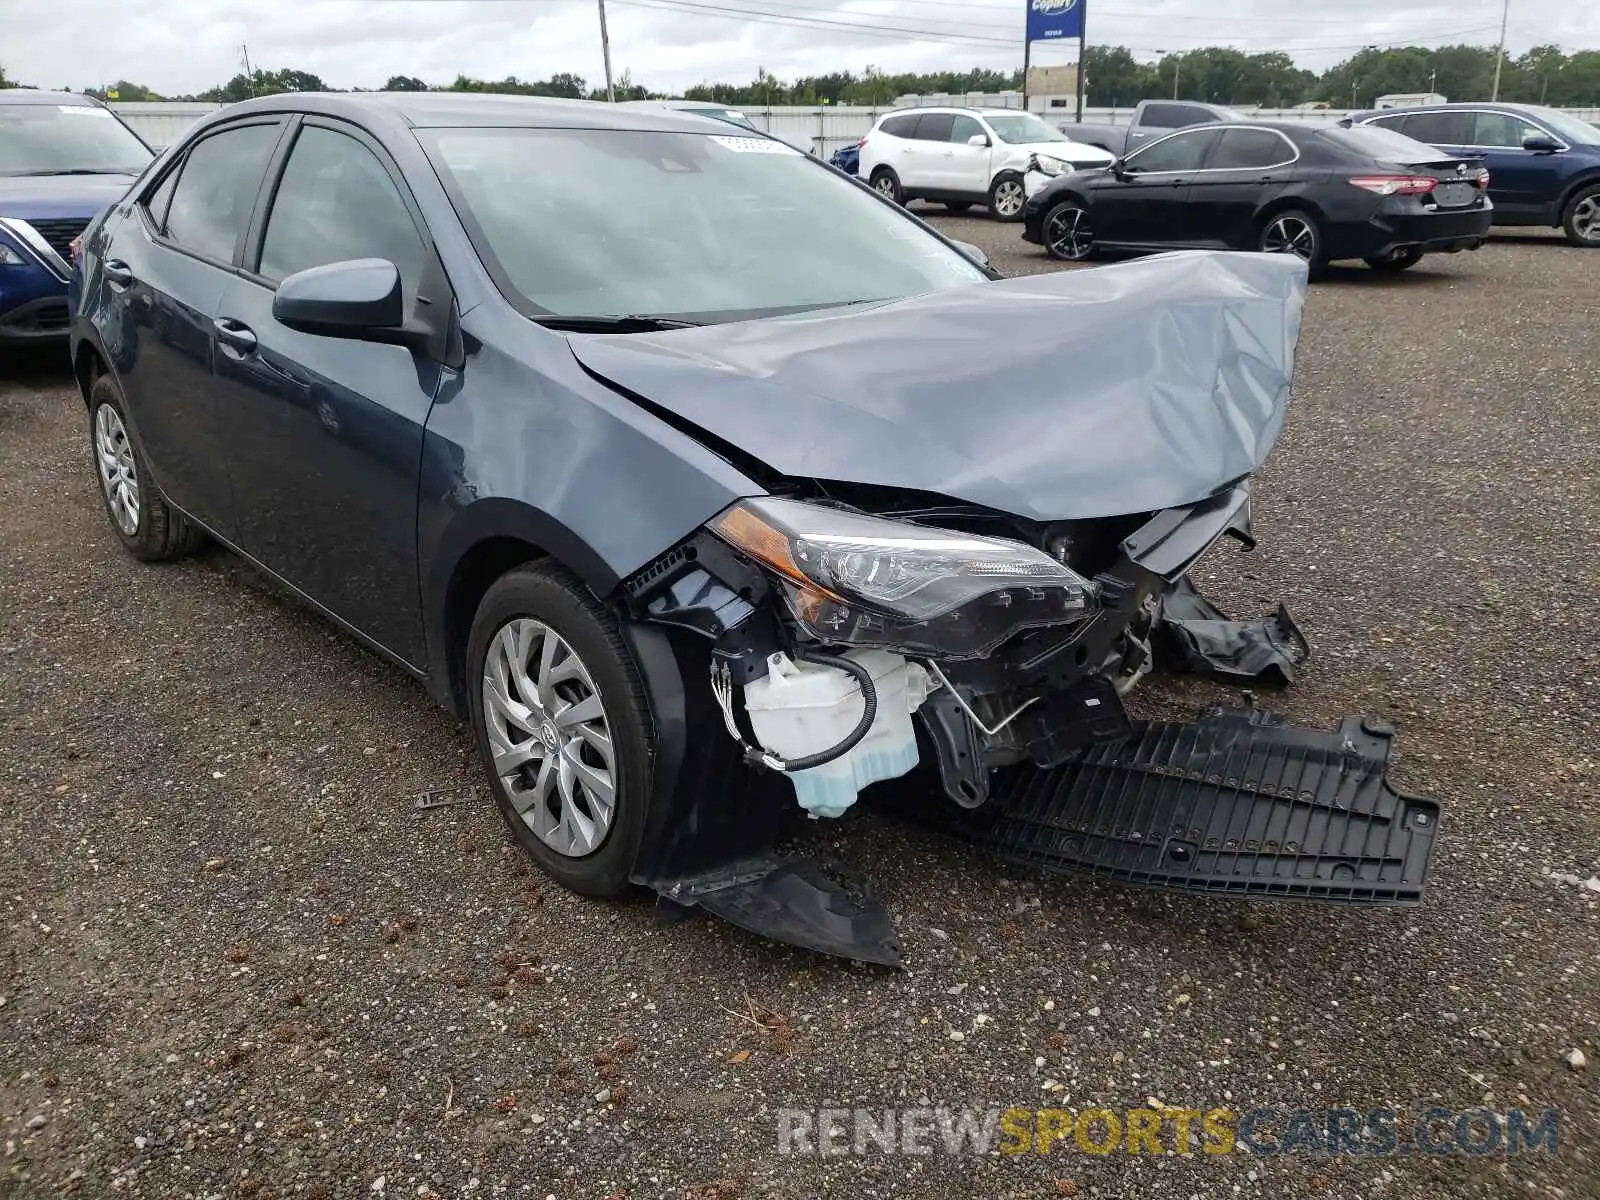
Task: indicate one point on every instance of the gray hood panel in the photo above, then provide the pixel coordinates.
(1074, 394)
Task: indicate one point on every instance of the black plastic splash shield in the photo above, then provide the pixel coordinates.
(795, 901)
(1236, 803)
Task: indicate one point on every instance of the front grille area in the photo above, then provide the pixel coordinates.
(60, 234)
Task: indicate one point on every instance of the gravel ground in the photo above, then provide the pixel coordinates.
(236, 961)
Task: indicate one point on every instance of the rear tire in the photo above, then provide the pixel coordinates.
(887, 184)
(147, 526)
(542, 647)
(1401, 260)
(1580, 221)
(1295, 231)
(1008, 196)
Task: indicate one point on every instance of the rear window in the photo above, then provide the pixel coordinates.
(1385, 145)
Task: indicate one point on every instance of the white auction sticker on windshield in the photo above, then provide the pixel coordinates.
(754, 145)
(83, 110)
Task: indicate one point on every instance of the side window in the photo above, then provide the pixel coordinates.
(1189, 114)
(901, 127)
(1394, 123)
(1180, 152)
(336, 202)
(1502, 130)
(1439, 128)
(1163, 116)
(161, 198)
(934, 127)
(964, 128)
(1241, 149)
(216, 190)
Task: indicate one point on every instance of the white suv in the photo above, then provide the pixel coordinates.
(966, 156)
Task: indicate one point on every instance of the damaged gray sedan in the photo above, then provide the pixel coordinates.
(713, 502)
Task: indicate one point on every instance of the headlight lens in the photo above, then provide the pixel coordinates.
(1048, 165)
(869, 581)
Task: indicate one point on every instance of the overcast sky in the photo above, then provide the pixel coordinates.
(178, 46)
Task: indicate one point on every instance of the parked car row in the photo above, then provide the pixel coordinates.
(1384, 187)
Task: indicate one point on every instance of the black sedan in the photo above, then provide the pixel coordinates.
(1319, 192)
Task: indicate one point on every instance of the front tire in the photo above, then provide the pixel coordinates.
(1007, 197)
(147, 526)
(1581, 219)
(1295, 231)
(562, 725)
(887, 184)
(1400, 260)
(1067, 233)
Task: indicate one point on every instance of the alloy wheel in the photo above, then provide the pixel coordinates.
(1290, 235)
(118, 475)
(1586, 219)
(1069, 234)
(884, 185)
(550, 737)
(1009, 198)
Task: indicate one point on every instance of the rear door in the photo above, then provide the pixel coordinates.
(1247, 166)
(325, 434)
(164, 272)
(1144, 204)
(927, 154)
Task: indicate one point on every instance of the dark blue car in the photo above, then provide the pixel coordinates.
(63, 159)
(1544, 165)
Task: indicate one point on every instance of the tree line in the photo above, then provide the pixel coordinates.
(1112, 74)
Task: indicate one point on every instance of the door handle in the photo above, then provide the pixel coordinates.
(1179, 182)
(118, 273)
(235, 335)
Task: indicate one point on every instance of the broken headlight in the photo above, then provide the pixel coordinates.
(866, 581)
(1046, 165)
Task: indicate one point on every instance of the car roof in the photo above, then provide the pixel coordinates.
(34, 96)
(424, 110)
(1287, 128)
(968, 110)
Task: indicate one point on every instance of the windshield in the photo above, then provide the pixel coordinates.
(585, 222)
(1565, 126)
(731, 116)
(1018, 129)
(53, 139)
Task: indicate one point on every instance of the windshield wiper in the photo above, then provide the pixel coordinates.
(630, 323)
(76, 171)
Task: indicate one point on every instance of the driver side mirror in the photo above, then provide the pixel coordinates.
(361, 298)
(1540, 144)
(1120, 169)
(978, 139)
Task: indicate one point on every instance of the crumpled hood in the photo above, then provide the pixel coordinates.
(1074, 394)
(60, 197)
(1075, 152)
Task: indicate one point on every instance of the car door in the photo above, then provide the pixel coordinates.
(1246, 167)
(165, 267)
(967, 166)
(928, 154)
(1143, 202)
(1521, 182)
(325, 433)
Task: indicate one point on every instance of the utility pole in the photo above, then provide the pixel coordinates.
(605, 52)
(249, 75)
(1500, 54)
(1176, 63)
